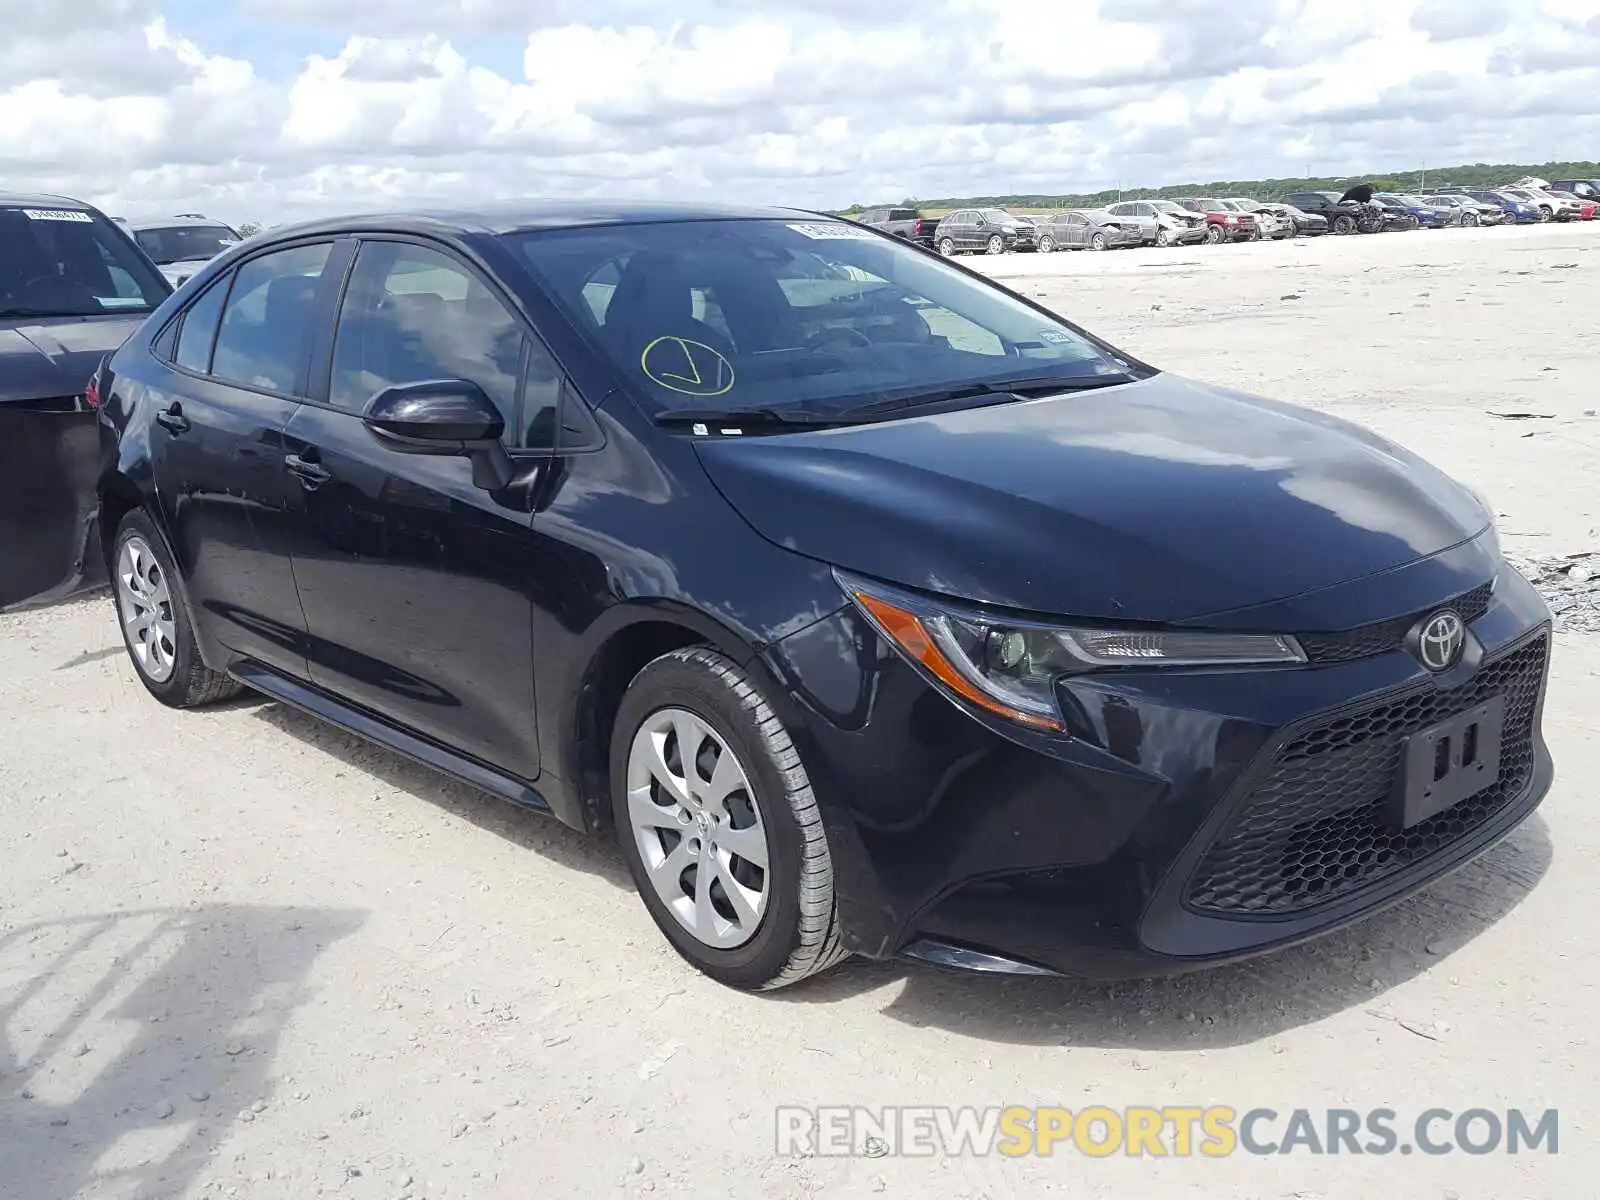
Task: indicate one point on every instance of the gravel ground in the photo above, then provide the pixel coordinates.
(243, 955)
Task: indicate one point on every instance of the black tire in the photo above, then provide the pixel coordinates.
(1097, 241)
(1213, 234)
(798, 933)
(1471, 220)
(947, 247)
(1545, 212)
(1344, 223)
(191, 682)
(1047, 244)
(1163, 237)
(996, 244)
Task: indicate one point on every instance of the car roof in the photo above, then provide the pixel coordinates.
(43, 200)
(527, 215)
(144, 223)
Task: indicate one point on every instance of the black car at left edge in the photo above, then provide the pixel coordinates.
(874, 608)
(72, 288)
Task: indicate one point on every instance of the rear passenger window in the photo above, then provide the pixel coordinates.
(199, 329)
(262, 340)
(410, 314)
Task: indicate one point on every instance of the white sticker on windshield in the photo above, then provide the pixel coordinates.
(1054, 336)
(119, 301)
(57, 214)
(833, 230)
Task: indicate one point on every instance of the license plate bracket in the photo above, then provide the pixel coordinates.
(1449, 762)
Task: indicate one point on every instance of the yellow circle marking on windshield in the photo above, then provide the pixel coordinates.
(692, 368)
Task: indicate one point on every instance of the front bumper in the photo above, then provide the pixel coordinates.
(1192, 818)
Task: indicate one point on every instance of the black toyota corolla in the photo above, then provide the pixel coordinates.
(872, 607)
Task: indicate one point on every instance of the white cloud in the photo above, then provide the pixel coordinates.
(133, 104)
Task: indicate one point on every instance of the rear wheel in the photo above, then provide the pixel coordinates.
(155, 621)
(996, 245)
(719, 825)
(947, 247)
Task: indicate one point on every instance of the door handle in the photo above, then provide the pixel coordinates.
(173, 420)
(307, 469)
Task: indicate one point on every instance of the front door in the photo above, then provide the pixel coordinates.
(236, 370)
(416, 582)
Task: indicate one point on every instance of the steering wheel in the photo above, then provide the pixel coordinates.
(822, 337)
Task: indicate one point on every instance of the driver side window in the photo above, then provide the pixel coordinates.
(412, 313)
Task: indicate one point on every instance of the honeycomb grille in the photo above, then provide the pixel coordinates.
(1315, 826)
(1383, 636)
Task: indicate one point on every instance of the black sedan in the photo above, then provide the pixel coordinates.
(72, 288)
(874, 608)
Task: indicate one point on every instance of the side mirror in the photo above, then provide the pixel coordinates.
(443, 417)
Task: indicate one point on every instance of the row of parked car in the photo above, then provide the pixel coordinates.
(1188, 220)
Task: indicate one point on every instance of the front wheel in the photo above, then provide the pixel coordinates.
(1047, 244)
(1213, 234)
(1344, 223)
(996, 245)
(155, 621)
(1545, 213)
(719, 825)
(1163, 237)
(947, 247)
(1470, 220)
(1097, 242)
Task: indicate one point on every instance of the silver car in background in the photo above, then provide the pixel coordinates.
(1465, 211)
(1273, 225)
(1161, 222)
(180, 246)
(1086, 229)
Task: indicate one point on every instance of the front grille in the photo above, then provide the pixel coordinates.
(1315, 826)
(1383, 636)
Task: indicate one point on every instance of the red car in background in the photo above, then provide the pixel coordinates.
(1223, 224)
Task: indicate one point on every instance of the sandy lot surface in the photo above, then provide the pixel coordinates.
(244, 955)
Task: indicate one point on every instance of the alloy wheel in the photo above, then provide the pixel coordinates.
(1046, 244)
(698, 828)
(1097, 242)
(1163, 237)
(947, 247)
(997, 244)
(145, 602)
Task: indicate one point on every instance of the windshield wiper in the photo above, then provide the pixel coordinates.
(745, 417)
(1000, 389)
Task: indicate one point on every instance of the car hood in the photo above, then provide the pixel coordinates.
(1161, 500)
(47, 357)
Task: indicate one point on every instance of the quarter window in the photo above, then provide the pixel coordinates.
(262, 339)
(411, 313)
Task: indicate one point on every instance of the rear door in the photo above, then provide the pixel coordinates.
(416, 582)
(236, 372)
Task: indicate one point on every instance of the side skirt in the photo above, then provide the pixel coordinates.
(375, 729)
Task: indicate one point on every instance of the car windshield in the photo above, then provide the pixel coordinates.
(995, 214)
(1169, 206)
(796, 315)
(64, 262)
(185, 243)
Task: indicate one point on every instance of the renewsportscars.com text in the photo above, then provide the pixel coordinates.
(1179, 1131)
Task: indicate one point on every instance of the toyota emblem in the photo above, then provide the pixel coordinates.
(1440, 639)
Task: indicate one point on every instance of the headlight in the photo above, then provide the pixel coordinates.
(1010, 667)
